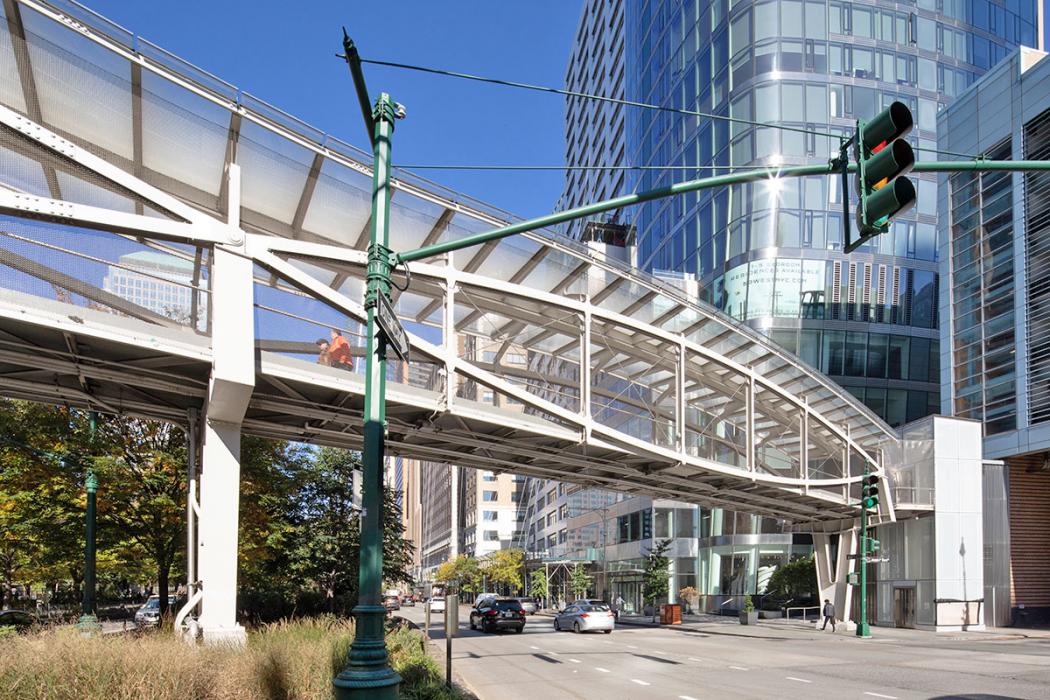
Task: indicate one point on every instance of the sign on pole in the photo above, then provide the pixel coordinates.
(390, 325)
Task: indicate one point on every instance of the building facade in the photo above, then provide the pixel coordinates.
(770, 254)
(995, 299)
(595, 137)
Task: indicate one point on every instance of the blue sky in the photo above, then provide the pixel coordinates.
(284, 54)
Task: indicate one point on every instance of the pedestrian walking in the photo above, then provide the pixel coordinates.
(829, 615)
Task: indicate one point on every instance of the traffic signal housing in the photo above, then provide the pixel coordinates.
(883, 159)
(870, 492)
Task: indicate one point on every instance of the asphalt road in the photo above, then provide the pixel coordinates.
(727, 661)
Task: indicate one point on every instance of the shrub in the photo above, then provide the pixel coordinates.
(286, 659)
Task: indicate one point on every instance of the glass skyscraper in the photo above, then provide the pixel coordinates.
(771, 254)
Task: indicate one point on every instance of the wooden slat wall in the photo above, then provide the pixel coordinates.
(1029, 531)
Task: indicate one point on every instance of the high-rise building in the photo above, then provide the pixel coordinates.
(995, 305)
(770, 253)
(594, 129)
(162, 283)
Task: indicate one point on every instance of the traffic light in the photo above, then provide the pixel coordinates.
(870, 492)
(873, 545)
(883, 158)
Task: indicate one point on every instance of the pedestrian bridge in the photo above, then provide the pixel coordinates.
(170, 245)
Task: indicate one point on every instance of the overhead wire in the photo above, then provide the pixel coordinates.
(634, 103)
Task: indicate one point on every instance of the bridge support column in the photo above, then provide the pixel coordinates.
(832, 570)
(230, 388)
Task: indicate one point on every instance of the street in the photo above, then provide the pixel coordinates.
(724, 660)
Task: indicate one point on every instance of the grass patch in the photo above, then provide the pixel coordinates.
(290, 660)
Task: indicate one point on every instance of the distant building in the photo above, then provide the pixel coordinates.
(156, 281)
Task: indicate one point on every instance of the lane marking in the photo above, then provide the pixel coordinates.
(800, 680)
(631, 646)
(553, 653)
(575, 661)
(657, 651)
(599, 668)
(635, 680)
(532, 647)
(686, 697)
(880, 695)
(739, 668)
(698, 660)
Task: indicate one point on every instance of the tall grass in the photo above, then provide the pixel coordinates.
(292, 660)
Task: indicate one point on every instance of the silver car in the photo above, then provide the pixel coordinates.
(583, 617)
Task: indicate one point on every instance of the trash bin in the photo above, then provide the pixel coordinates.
(671, 614)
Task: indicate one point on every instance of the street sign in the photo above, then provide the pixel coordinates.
(853, 578)
(396, 337)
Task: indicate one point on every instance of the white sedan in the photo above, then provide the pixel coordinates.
(437, 605)
(583, 617)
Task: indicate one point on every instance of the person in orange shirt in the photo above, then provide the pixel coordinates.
(339, 352)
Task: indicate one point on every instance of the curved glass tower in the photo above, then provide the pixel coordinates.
(772, 255)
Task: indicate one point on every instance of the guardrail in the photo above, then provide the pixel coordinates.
(913, 496)
(787, 611)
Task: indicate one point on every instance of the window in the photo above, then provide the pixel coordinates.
(490, 495)
(490, 515)
(488, 476)
(491, 536)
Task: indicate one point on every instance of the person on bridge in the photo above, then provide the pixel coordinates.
(336, 352)
(323, 357)
(829, 615)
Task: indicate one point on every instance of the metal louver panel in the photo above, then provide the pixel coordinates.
(1037, 243)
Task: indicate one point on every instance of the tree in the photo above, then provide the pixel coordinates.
(463, 570)
(579, 581)
(327, 536)
(538, 585)
(799, 578)
(504, 567)
(655, 579)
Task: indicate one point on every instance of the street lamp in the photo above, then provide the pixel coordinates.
(88, 623)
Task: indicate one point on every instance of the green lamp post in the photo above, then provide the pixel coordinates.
(88, 623)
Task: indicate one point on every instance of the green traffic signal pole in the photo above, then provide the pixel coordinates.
(863, 629)
(754, 175)
(88, 622)
(368, 673)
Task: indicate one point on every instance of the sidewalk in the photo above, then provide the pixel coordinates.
(797, 629)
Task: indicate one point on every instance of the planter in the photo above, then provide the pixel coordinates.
(749, 618)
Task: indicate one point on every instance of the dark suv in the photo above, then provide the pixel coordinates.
(494, 614)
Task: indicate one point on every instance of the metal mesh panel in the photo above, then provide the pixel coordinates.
(163, 284)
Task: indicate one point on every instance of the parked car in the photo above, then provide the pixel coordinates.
(391, 602)
(591, 601)
(583, 617)
(409, 601)
(528, 605)
(19, 619)
(437, 604)
(484, 597)
(149, 614)
(495, 614)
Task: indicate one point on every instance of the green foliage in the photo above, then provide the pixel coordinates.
(538, 584)
(463, 571)
(749, 606)
(288, 659)
(579, 581)
(799, 578)
(298, 536)
(655, 579)
(504, 567)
